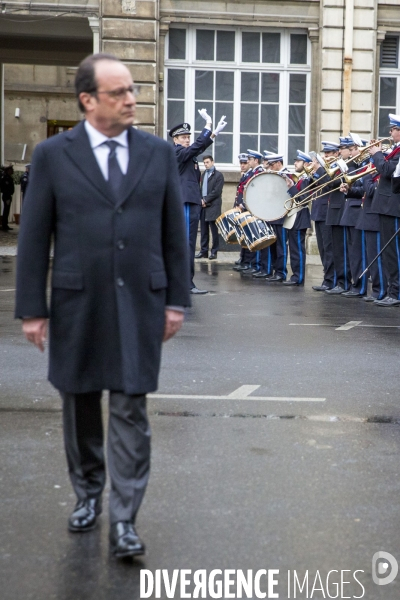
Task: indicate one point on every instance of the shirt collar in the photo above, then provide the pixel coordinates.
(96, 138)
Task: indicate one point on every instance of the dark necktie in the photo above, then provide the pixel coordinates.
(115, 175)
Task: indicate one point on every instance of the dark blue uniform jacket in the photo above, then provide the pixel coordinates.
(188, 167)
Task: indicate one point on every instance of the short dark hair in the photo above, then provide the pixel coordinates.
(85, 79)
(208, 156)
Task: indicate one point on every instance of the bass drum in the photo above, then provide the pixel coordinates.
(265, 195)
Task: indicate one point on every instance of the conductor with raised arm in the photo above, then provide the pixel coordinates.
(189, 172)
(118, 287)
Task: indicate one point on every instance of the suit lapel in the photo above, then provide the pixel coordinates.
(81, 154)
(139, 158)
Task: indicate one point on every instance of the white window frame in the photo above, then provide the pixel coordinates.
(284, 68)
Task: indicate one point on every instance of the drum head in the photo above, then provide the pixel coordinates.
(265, 196)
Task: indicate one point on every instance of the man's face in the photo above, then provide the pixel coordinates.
(253, 162)
(299, 166)
(395, 133)
(111, 110)
(345, 153)
(276, 166)
(182, 140)
(331, 153)
(266, 164)
(244, 166)
(208, 163)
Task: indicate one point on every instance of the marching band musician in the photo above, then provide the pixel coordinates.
(297, 235)
(238, 203)
(386, 204)
(323, 231)
(189, 172)
(355, 237)
(369, 224)
(251, 260)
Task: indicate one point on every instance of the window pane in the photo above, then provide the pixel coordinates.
(298, 86)
(271, 47)
(224, 85)
(224, 108)
(204, 85)
(295, 142)
(298, 49)
(223, 147)
(225, 45)
(176, 83)
(249, 118)
(297, 119)
(204, 44)
(199, 121)
(250, 47)
(269, 118)
(384, 120)
(387, 95)
(270, 87)
(248, 142)
(175, 113)
(269, 142)
(250, 87)
(177, 43)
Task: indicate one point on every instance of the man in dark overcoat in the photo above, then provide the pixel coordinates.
(119, 286)
(211, 185)
(7, 188)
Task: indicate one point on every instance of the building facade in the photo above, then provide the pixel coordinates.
(286, 74)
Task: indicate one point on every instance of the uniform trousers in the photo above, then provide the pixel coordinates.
(267, 258)
(391, 256)
(280, 267)
(357, 258)
(192, 217)
(6, 212)
(323, 233)
(128, 449)
(341, 257)
(205, 227)
(297, 248)
(377, 272)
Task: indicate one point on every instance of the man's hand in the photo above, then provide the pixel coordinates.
(289, 182)
(173, 323)
(374, 149)
(204, 114)
(203, 203)
(344, 187)
(35, 331)
(220, 126)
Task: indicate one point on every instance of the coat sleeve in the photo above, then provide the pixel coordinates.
(384, 167)
(203, 141)
(217, 190)
(175, 252)
(37, 225)
(396, 185)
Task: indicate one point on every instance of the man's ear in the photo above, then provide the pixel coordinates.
(87, 100)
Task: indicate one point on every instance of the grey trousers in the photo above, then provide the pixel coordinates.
(128, 449)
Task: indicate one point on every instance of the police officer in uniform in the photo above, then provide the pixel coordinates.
(238, 203)
(189, 172)
(386, 204)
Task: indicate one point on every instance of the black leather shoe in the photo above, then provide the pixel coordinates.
(291, 282)
(84, 516)
(251, 271)
(388, 301)
(353, 294)
(195, 290)
(125, 541)
(212, 256)
(321, 288)
(238, 262)
(335, 291)
(260, 275)
(274, 279)
(243, 268)
(201, 255)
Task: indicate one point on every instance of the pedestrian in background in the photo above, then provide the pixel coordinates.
(7, 188)
(211, 184)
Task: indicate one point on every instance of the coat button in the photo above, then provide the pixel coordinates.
(120, 244)
(120, 282)
(119, 210)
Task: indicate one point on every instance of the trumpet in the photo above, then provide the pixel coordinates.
(325, 164)
(365, 151)
(350, 179)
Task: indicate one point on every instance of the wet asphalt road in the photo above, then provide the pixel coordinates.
(307, 479)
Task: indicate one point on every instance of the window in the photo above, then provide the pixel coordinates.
(389, 84)
(258, 79)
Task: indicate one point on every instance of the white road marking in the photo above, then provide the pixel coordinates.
(235, 397)
(10, 290)
(243, 391)
(348, 326)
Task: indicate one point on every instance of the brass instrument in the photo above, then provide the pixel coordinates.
(307, 170)
(350, 179)
(365, 151)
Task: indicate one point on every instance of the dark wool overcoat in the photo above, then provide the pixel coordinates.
(117, 261)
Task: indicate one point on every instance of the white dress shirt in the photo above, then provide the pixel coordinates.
(101, 150)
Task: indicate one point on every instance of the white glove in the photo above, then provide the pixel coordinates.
(204, 114)
(221, 125)
(397, 171)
